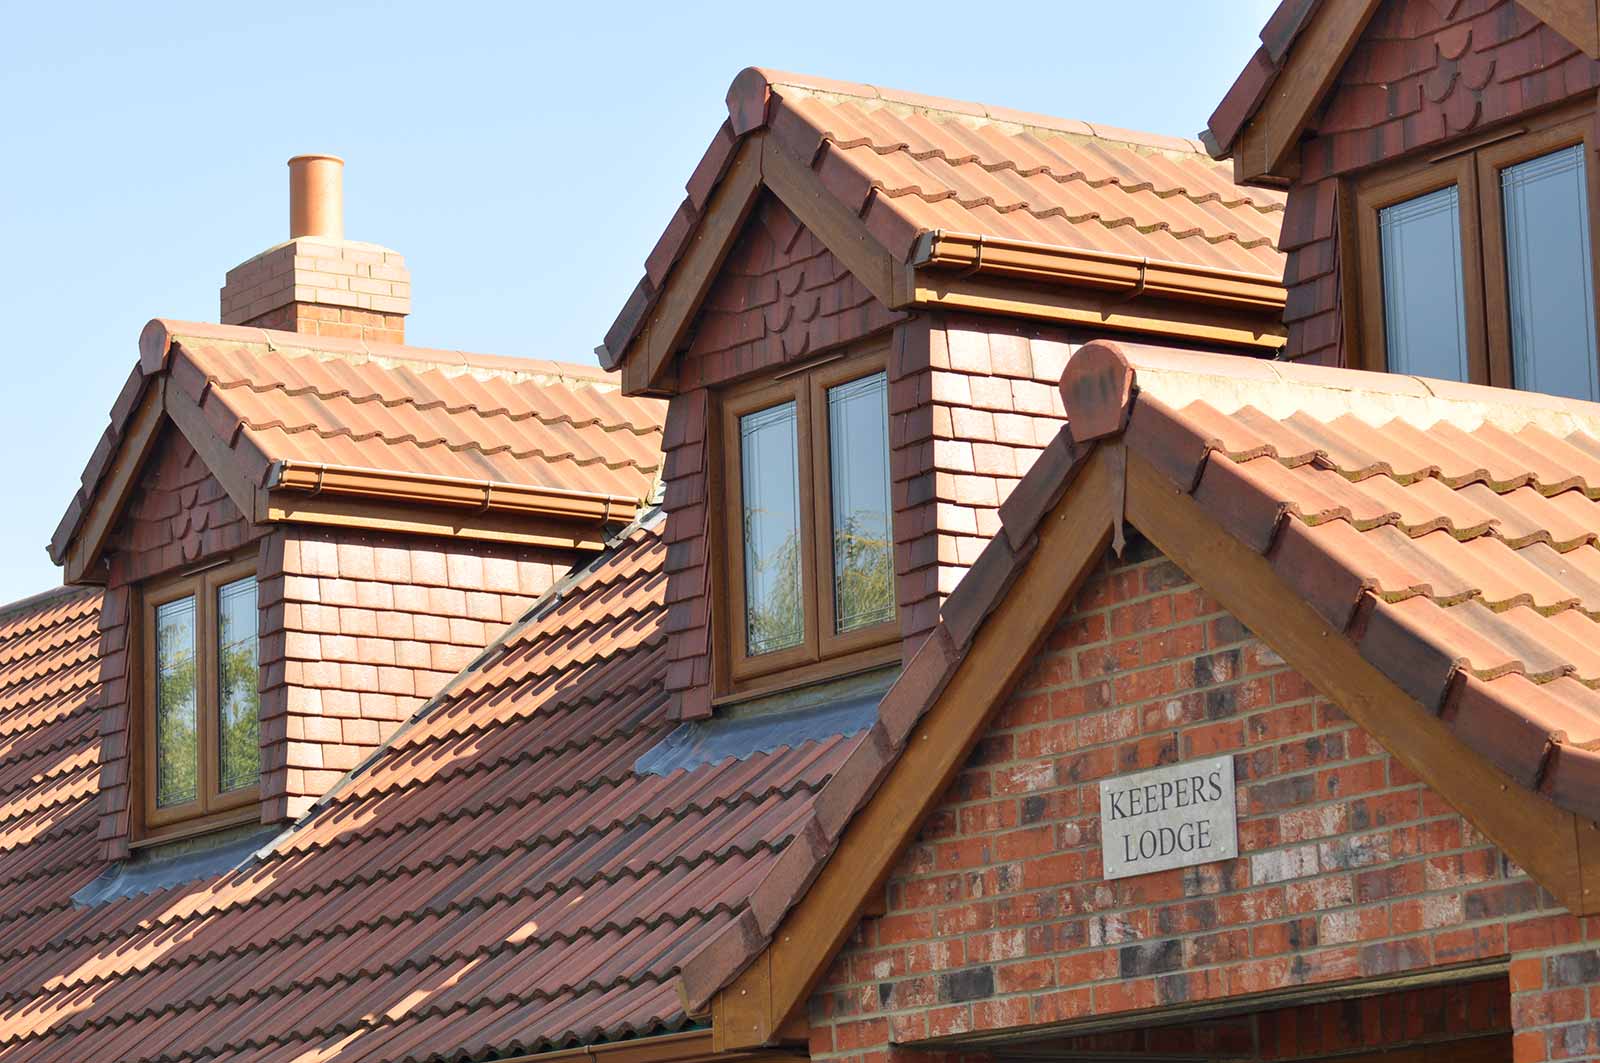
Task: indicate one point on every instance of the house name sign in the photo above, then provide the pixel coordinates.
(1172, 816)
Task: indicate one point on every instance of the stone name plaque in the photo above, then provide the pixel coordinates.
(1174, 816)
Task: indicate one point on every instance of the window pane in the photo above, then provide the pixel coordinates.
(1424, 310)
(1548, 275)
(858, 458)
(770, 474)
(177, 761)
(238, 687)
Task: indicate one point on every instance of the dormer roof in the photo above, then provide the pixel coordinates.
(325, 430)
(915, 192)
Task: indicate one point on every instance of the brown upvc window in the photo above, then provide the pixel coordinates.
(808, 543)
(201, 733)
(1480, 265)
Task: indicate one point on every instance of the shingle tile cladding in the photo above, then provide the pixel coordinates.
(498, 878)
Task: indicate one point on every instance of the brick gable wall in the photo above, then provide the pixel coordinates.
(1423, 73)
(1349, 868)
(356, 630)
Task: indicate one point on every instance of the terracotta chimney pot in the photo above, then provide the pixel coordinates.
(316, 196)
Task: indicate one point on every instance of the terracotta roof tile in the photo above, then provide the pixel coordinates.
(275, 397)
(911, 164)
(497, 879)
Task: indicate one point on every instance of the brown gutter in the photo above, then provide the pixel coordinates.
(455, 492)
(971, 253)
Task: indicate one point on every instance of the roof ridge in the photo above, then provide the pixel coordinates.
(175, 332)
(777, 80)
(1279, 389)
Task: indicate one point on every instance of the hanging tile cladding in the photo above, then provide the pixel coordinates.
(974, 401)
(372, 626)
(1349, 867)
(497, 881)
(780, 297)
(177, 514)
(1421, 74)
(49, 747)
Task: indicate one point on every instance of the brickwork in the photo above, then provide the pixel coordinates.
(322, 287)
(1349, 868)
(369, 628)
(1424, 72)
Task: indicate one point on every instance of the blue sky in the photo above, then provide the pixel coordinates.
(145, 148)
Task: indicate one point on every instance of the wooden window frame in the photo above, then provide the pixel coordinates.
(1474, 167)
(211, 809)
(821, 653)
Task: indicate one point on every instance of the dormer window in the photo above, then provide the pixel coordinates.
(1479, 265)
(808, 544)
(202, 731)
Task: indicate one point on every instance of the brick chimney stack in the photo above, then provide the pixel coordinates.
(318, 282)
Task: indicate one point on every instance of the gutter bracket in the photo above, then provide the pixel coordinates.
(1138, 288)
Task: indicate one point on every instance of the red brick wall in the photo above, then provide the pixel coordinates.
(1350, 868)
(1424, 72)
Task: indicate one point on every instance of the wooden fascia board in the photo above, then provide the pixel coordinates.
(762, 162)
(648, 356)
(1173, 318)
(841, 230)
(111, 493)
(693, 1046)
(752, 1009)
(1265, 148)
(1553, 845)
(1576, 20)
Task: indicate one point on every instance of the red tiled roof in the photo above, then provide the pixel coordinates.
(1450, 531)
(497, 879)
(910, 164)
(49, 748)
(280, 398)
